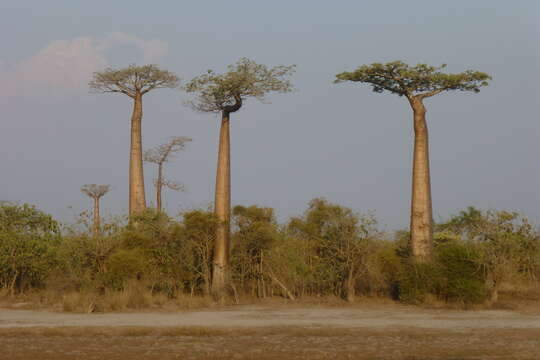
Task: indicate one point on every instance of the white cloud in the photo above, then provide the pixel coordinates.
(152, 50)
(65, 66)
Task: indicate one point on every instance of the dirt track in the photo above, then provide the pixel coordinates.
(252, 316)
(249, 332)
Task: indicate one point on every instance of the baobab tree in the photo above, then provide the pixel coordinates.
(225, 94)
(134, 81)
(95, 192)
(416, 84)
(159, 156)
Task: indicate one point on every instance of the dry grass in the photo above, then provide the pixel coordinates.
(292, 331)
(137, 297)
(267, 343)
(524, 300)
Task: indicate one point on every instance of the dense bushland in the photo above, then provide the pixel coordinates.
(328, 251)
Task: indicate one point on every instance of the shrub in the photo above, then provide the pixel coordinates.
(124, 265)
(27, 240)
(463, 278)
(453, 276)
(418, 280)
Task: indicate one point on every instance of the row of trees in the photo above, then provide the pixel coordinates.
(329, 250)
(226, 93)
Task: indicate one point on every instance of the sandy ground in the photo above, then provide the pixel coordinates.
(254, 332)
(252, 316)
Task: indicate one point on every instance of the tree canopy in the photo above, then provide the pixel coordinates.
(165, 152)
(225, 92)
(132, 80)
(414, 81)
(95, 191)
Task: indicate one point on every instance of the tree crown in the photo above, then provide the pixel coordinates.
(132, 80)
(163, 153)
(173, 185)
(419, 81)
(225, 92)
(95, 191)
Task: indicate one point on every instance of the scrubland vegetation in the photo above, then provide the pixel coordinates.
(328, 252)
(236, 254)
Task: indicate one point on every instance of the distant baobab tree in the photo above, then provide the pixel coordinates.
(134, 81)
(160, 155)
(96, 192)
(416, 84)
(225, 94)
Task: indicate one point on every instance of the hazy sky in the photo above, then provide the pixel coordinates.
(343, 142)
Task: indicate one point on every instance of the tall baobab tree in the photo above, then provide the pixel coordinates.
(225, 94)
(416, 84)
(134, 81)
(96, 192)
(159, 156)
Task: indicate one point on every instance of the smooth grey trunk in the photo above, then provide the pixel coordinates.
(421, 241)
(97, 224)
(137, 200)
(222, 210)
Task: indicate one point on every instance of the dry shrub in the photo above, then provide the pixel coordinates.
(79, 302)
(187, 302)
(521, 297)
(134, 296)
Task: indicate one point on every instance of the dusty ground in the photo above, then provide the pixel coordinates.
(249, 332)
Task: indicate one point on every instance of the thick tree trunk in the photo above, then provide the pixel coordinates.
(159, 185)
(421, 209)
(96, 217)
(220, 275)
(137, 201)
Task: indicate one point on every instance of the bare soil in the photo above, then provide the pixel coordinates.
(263, 332)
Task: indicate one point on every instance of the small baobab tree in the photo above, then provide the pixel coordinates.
(96, 192)
(416, 84)
(134, 81)
(159, 156)
(225, 94)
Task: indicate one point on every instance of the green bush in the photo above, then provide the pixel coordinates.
(418, 280)
(124, 265)
(453, 276)
(463, 279)
(28, 238)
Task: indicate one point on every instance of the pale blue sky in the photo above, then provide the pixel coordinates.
(342, 142)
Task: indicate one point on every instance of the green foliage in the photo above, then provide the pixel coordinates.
(421, 80)
(328, 251)
(453, 276)
(417, 280)
(27, 240)
(132, 80)
(255, 233)
(507, 244)
(124, 265)
(83, 261)
(256, 230)
(464, 280)
(199, 235)
(337, 243)
(223, 92)
(26, 220)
